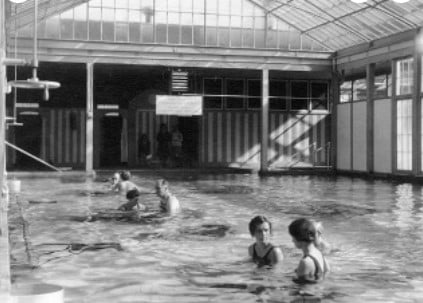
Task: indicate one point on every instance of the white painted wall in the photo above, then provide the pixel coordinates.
(382, 125)
(359, 140)
(343, 136)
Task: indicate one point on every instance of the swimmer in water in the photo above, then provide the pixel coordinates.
(307, 236)
(132, 197)
(263, 252)
(121, 182)
(168, 202)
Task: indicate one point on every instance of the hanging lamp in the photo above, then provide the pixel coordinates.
(34, 82)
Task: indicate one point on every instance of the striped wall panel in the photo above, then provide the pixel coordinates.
(63, 134)
(147, 122)
(231, 137)
(296, 139)
(62, 137)
(234, 137)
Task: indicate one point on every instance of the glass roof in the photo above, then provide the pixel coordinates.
(331, 24)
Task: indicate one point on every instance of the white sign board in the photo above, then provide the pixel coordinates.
(173, 105)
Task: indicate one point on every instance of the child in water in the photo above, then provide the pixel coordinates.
(263, 252)
(168, 202)
(307, 236)
(132, 197)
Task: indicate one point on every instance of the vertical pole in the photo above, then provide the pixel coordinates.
(264, 120)
(416, 118)
(370, 79)
(5, 284)
(394, 116)
(332, 146)
(89, 143)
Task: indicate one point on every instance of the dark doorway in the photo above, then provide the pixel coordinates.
(28, 137)
(110, 141)
(190, 129)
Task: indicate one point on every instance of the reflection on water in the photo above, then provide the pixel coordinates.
(374, 228)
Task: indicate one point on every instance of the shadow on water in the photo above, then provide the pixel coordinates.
(226, 189)
(328, 209)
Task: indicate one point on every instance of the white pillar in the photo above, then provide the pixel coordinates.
(89, 136)
(264, 120)
(5, 283)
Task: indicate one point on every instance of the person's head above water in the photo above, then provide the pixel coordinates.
(162, 187)
(258, 221)
(125, 175)
(305, 230)
(133, 193)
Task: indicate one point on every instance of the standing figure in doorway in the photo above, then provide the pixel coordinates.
(177, 139)
(144, 149)
(163, 144)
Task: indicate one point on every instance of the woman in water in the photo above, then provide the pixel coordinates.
(121, 182)
(263, 252)
(307, 236)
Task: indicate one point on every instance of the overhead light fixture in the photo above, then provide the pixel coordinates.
(401, 1)
(18, 1)
(34, 82)
(358, 1)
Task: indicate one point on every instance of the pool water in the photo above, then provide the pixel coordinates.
(375, 229)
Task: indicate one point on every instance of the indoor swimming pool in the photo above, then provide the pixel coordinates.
(375, 229)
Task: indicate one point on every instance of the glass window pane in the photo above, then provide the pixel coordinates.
(161, 5)
(234, 86)
(254, 89)
(345, 92)
(404, 134)
(211, 6)
(404, 81)
(198, 6)
(186, 5)
(359, 89)
(381, 87)
(122, 4)
(108, 3)
(236, 7)
(299, 92)
(173, 5)
(122, 15)
(319, 95)
(213, 102)
(234, 103)
(212, 86)
(278, 103)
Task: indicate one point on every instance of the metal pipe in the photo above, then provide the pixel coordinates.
(32, 156)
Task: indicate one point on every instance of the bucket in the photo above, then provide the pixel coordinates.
(14, 186)
(37, 293)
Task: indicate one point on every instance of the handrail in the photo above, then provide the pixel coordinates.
(314, 150)
(32, 156)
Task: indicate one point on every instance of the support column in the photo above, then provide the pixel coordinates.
(417, 106)
(370, 79)
(5, 282)
(333, 106)
(89, 136)
(264, 120)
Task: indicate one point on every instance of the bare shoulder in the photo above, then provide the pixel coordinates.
(277, 253)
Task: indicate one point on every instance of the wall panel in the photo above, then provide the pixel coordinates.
(343, 136)
(359, 136)
(382, 125)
